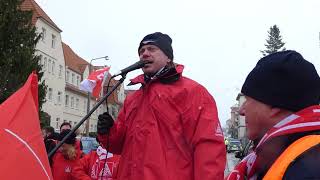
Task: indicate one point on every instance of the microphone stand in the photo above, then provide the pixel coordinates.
(87, 116)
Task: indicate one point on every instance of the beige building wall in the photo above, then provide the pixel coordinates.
(76, 105)
(50, 49)
(76, 101)
(121, 94)
(241, 119)
(64, 101)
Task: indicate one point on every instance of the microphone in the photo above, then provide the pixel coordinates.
(133, 67)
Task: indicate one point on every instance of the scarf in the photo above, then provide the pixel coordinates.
(167, 74)
(305, 120)
(97, 170)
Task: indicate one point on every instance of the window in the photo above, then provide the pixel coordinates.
(67, 76)
(59, 97)
(84, 105)
(72, 102)
(53, 41)
(64, 120)
(78, 80)
(60, 71)
(43, 34)
(67, 101)
(50, 94)
(40, 60)
(45, 63)
(72, 78)
(77, 103)
(53, 66)
(91, 107)
(49, 66)
(57, 123)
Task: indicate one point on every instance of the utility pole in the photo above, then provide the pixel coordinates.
(89, 95)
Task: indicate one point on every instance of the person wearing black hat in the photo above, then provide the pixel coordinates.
(66, 158)
(49, 139)
(169, 128)
(282, 115)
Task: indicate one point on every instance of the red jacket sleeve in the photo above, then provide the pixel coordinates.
(203, 132)
(116, 135)
(81, 169)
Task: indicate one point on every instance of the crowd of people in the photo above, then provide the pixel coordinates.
(169, 128)
(70, 163)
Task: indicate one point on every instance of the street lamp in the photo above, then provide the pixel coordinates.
(89, 95)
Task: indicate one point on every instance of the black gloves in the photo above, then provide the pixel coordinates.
(105, 122)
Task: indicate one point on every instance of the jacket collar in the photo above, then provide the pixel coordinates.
(305, 120)
(169, 77)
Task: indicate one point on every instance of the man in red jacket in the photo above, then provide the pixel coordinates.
(282, 116)
(169, 128)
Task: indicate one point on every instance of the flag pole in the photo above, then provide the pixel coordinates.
(51, 153)
(87, 127)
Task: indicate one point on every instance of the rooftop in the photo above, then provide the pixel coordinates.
(28, 5)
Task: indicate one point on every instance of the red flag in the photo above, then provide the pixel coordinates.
(22, 152)
(94, 82)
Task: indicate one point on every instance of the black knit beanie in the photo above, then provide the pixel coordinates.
(284, 80)
(162, 41)
(71, 139)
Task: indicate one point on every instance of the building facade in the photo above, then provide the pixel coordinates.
(76, 101)
(63, 72)
(236, 124)
(49, 48)
(116, 99)
(241, 119)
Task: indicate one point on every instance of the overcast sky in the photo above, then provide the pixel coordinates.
(218, 41)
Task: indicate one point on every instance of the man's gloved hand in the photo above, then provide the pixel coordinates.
(105, 122)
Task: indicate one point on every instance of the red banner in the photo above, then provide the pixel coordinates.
(22, 152)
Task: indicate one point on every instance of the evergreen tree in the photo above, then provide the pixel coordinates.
(18, 39)
(274, 41)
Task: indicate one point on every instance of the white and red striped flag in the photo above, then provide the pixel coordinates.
(93, 83)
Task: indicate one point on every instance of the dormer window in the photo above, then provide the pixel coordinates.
(43, 34)
(53, 41)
